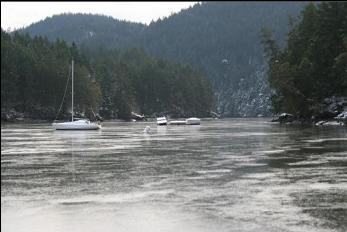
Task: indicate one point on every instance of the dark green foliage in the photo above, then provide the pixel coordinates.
(34, 73)
(133, 81)
(313, 66)
(87, 30)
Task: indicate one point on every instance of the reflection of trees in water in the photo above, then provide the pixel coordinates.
(308, 143)
(305, 162)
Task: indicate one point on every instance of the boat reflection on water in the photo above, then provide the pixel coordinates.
(77, 135)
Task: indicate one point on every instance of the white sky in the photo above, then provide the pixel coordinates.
(15, 15)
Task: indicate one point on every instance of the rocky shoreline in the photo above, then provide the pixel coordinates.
(13, 116)
(16, 117)
(284, 118)
(43, 115)
(331, 112)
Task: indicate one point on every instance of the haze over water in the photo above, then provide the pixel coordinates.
(224, 175)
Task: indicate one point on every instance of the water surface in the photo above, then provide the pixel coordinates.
(224, 175)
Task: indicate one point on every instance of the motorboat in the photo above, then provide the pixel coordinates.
(161, 121)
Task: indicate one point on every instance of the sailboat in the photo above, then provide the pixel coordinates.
(78, 124)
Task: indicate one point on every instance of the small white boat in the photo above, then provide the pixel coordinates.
(161, 121)
(79, 124)
(177, 122)
(193, 121)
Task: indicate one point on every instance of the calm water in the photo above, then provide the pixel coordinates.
(224, 175)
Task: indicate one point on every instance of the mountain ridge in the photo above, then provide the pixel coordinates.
(220, 38)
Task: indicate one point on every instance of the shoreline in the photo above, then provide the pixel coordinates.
(289, 119)
(283, 119)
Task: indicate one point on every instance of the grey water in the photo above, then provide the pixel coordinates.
(222, 175)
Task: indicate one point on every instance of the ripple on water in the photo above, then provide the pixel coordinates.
(114, 198)
(225, 175)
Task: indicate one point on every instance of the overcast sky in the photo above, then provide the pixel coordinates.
(15, 15)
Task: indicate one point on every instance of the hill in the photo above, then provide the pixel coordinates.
(221, 38)
(87, 29)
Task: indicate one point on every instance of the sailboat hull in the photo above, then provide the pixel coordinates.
(76, 125)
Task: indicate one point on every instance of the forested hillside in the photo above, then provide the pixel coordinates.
(221, 38)
(224, 39)
(311, 71)
(92, 31)
(34, 73)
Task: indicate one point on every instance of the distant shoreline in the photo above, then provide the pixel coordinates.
(288, 119)
(33, 121)
(272, 119)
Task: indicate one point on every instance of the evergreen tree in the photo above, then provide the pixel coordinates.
(313, 65)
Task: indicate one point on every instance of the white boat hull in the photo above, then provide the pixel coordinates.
(161, 121)
(77, 125)
(177, 122)
(193, 121)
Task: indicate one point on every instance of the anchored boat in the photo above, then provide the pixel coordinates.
(161, 121)
(79, 124)
(193, 121)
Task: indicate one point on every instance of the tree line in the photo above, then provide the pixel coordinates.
(113, 83)
(313, 65)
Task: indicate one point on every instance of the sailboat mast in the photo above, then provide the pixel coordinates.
(72, 90)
